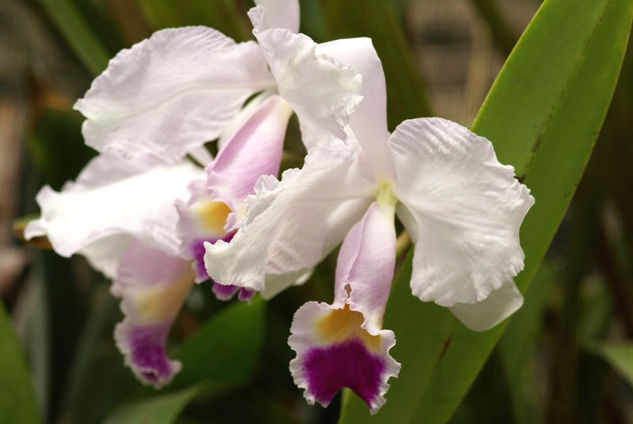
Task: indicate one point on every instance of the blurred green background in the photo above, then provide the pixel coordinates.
(566, 356)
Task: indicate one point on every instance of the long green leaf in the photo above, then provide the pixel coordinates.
(17, 396)
(543, 115)
(561, 80)
(517, 347)
(78, 33)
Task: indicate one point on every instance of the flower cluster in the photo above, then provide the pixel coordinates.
(157, 213)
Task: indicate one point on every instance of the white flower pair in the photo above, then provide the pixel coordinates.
(129, 214)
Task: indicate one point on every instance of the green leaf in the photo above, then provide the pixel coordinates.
(17, 396)
(223, 15)
(406, 95)
(163, 409)
(517, 347)
(226, 349)
(78, 33)
(543, 115)
(620, 356)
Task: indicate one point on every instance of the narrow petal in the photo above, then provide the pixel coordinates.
(343, 344)
(112, 198)
(152, 286)
(369, 121)
(462, 208)
(321, 92)
(484, 315)
(253, 150)
(366, 264)
(275, 14)
(171, 93)
(291, 225)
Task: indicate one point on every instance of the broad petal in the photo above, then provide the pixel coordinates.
(334, 351)
(484, 315)
(275, 14)
(369, 121)
(321, 92)
(152, 286)
(253, 150)
(462, 208)
(171, 93)
(129, 202)
(291, 225)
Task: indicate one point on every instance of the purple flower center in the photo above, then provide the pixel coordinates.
(148, 352)
(347, 364)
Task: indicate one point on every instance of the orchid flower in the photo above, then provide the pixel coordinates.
(157, 102)
(120, 215)
(462, 208)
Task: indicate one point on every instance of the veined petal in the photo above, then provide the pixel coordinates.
(484, 315)
(275, 14)
(321, 92)
(253, 150)
(130, 203)
(343, 344)
(462, 208)
(171, 93)
(291, 225)
(152, 286)
(369, 121)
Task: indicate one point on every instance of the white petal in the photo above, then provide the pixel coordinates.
(466, 208)
(129, 202)
(171, 93)
(321, 92)
(275, 14)
(483, 315)
(291, 225)
(104, 255)
(369, 121)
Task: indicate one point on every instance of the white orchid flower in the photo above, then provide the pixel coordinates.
(462, 208)
(140, 212)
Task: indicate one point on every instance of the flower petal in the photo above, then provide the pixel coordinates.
(275, 14)
(343, 344)
(171, 93)
(253, 150)
(462, 208)
(153, 286)
(333, 352)
(86, 215)
(484, 315)
(291, 225)
(366, 265)
(321, 92)
(369, 121)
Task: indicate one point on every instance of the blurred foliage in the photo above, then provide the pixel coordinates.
(565, 357)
